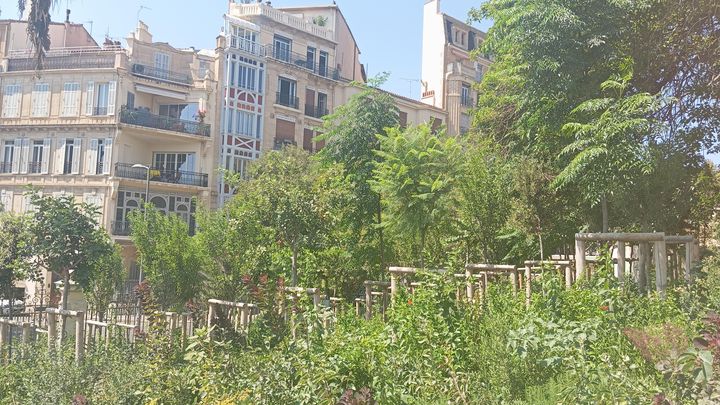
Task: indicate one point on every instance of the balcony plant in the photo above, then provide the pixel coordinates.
(200, 116)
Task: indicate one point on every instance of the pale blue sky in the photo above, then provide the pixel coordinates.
(389, 32)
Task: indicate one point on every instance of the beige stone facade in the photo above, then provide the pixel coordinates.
(450, 65)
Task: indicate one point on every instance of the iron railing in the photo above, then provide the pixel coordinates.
(5, 167)
(287, 100)
(34, 167)
(301, 61)
(79, 61)
(247, 45)
(144, 118)
(315, 111)
(466, 101)
(120, 228)
(127, 171)
(151, 72)
(96, 111)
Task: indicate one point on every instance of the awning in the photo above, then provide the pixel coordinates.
(161, 92)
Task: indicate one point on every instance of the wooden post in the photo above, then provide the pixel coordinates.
(316, 299)
(484, 286)
(368, 301)
(27, 333)
(245, 322)
(470, 289)
(568, 277)
(528, 286)
(688, 261)
(183, 334)
(620, 266)
(384, 303)
(4, 342)
(642, 266)
(79, 336)
(52, 331)
(393, 287)
(515, 277)
(661, 267)
(579, 259)
(211, 314)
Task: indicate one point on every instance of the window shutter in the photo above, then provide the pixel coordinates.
(92, 157)
(90, 98)
(34, 103)
(45, 164)
(12, 101)
(6, 199)
(41, 100)
(24, 156)
(71, 100)
(112, 91)
(75, 169)
(17, 156)
(60, 156)
(108, 156)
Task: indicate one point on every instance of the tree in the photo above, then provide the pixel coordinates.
(67, 239)
(609, 152)
(38, 28)
(15, 253)
(351, 139)
(104, 281)
(171, 260)
(415, 178)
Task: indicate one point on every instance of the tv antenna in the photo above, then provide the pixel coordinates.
(140, 10)
(410, 84)
(91, 25)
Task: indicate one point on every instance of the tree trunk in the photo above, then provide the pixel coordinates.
(294, 277)
(605, 220)
(542, 250)
(381, 236)
(66, 289)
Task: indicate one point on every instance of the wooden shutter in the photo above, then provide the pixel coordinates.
(45, 163)
(284, 131)
(307, 139)
(71, 100)
(60, 156)
(17, 152)
(90, 98)
(6, 200)
(24, 156)
(12, 101)
(92, 157)
(112, 93)
(108, 156)
(75, 167)
(41, 100)
(403, 119)
(309, 101)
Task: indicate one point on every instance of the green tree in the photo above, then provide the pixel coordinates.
(108, 275)
(67, 239)
(15, 252)
(415, 178)
(351, 139)
(38, 28)
(171, 259)
(609, 152)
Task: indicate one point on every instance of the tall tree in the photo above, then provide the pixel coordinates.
(15, 253)
(105, 280)
(38, 28)
(67, 239)
(415, 178)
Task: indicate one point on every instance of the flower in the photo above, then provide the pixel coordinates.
(604, 308)
(410, 301)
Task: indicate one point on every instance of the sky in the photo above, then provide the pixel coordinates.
(388, 32)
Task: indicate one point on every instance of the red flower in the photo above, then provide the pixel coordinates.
(410, 301)
(604, 308)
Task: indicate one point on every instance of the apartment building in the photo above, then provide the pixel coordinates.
(105, 123)
(450, 66)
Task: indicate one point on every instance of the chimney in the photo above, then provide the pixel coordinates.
(67, 16)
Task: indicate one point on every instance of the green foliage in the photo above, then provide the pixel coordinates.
(109, 273)
(15, 252)
(171, 258)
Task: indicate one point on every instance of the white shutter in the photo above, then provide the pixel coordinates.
(92, 156)
(17, 152)
(12, 101)
(77, 152)
(71, 100)
(41, 100)
(6, 200)
(90, 98)
(112, 92)
(108, 156)
(45, 163)
(60, 156)
(24, 156)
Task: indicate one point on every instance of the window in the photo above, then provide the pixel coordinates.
(180, 111)
(282, 48)
(174, 161)
(308, 136)
(99, 156)
(403, 118)
(41, 100)
(311, 58)
(243, 39)
(70, 152)
(70, 100)
(284, 133)
(465, 98)
(472, 41)
(462, 38)
(38, 159)
(245, 123)
(12, 101)
(100, 98)
(6, 200)
(162, 64)
(128, 201)
(322, 105)
(130, 100)
(8, 157)
(287, 92)
(323, 64)
(478, 72)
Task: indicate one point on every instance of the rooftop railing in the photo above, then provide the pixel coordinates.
(146, 119)
(151, 72)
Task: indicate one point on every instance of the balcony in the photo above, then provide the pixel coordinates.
(34, 167)
(146, 119)
(288, 101)
(316, 112)
(120, 228)
(300, 61)
(127, 171)
(5, 167)
(65, 58)
(265, 10)
(246, 45)
(162, 75)
(467, 101)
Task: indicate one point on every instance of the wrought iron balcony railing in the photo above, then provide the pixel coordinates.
(127, 171)
(120, 228)
(316, 111)
(144, 118)
(5, 167)
(467, 101)
(301, 61)
(288, 101)
(168, 76)
(34, 167)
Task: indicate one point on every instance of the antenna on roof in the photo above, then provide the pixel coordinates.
(140, 10)
(91, 25)
(410, 83)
